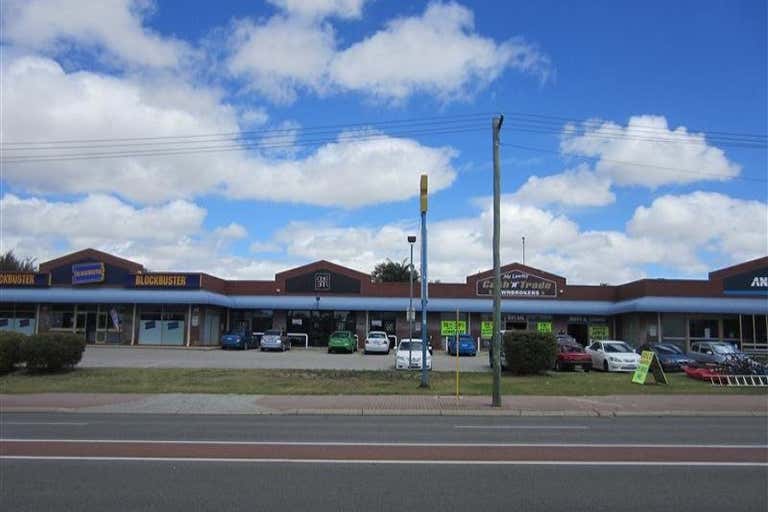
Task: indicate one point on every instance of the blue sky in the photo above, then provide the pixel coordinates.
(633, 145)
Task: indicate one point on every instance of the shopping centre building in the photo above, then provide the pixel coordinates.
(110, 300)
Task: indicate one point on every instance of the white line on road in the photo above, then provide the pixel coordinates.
(407, 462)
(57, 423)
(521, 427)
(364, 443)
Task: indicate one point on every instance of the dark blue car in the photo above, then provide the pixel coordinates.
(237, 339)
(467, 346)
(670, 356)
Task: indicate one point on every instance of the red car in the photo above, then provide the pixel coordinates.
(571, 355)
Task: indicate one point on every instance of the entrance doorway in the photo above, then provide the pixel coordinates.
(85, 324)
(580, 333)
(517, 326)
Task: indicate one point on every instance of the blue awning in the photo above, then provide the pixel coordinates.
(730, 305)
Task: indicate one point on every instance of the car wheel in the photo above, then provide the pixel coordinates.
(329, 350)
(586, 368)
(261, 348)
(605, 366)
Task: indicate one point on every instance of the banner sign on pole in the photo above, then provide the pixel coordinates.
(598, 332)
(486, 330)
(545, 327)
(649, 362)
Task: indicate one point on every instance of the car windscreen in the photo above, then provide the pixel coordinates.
(410, 345)
(340, 334)
(234, 333)
(723, 349)
(571, 348)
(665, 350)
(670, 349)
(376, 335)
(618, 347)
(272, 332)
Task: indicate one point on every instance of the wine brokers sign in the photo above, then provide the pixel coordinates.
(517, 283)
(748, 283)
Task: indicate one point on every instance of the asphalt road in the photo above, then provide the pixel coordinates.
(110, 462)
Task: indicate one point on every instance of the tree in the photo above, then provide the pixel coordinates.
(393, 272)
(10, 262)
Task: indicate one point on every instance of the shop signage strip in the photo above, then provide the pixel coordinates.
(748, 283)
(164, 280)
(24, 280)
(517, 283)
(88, 273)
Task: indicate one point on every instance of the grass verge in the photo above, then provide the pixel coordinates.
(337, 382)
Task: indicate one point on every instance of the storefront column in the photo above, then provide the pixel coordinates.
(227, 326)
(741, 335)
(687, 333)
(74, 323)
(720, 329)
(133, 326)
(37, 319)
(189, 323)
(658, 328)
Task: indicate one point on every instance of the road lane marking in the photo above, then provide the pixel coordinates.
(520, 427)
(364, 443)
(385, 461)
(56, 423)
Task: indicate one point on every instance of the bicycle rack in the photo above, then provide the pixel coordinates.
(752, 381)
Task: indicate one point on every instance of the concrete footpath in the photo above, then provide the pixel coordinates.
(612, 405)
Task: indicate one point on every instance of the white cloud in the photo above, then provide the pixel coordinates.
(83, 106)
(114, 25)
(555, 243)
(233, 231)
(671, 157)
(350, 9)
(437, 53)
(573, 187)
(282, 55)
(253, 117)
(735, 227)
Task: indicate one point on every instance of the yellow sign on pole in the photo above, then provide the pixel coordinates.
(649, 362)
(423, 194)
(486, 330)
(448, 327)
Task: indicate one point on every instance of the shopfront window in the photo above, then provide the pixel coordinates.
(62, 316)
(731, 331)
(703, 328)
(382, 321)
(18, 318)
(162, 325)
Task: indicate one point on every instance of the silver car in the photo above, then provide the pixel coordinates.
(275, 339)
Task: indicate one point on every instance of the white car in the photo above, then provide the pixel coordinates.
(613, 356)
(376, 341)
(408, 355)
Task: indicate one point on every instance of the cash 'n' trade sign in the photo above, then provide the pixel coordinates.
(517, 283)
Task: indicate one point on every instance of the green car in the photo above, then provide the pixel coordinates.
(342, 340)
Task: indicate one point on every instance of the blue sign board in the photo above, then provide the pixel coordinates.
(86, 273)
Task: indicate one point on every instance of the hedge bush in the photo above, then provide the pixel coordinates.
(10, 355)
(529, 352)
(52, 351)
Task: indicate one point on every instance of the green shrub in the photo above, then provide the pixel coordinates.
(9, 350)
(52, 351)
(529, 352)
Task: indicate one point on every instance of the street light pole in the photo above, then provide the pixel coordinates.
(424, 289)
(411, 315)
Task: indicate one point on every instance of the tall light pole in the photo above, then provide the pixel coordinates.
(424, 332)
(523, 250)
(411, 313)
(496, 127)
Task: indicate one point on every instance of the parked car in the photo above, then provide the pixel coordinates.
(566, 338)
(570, 355)
(713, 352)
(613, 356)
(237, 339)
(275, 339)
(408, 355)
(670, 356)
(467, 345)
(376, 341)
(342, 340)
